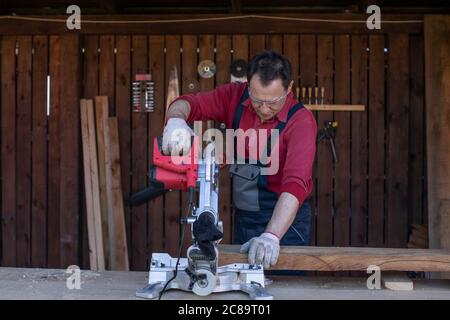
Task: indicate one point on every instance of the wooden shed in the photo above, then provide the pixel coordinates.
(389, 188)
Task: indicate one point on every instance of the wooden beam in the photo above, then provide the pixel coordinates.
(335, 107)
(437, 80)
(348, 258)
(213, 23)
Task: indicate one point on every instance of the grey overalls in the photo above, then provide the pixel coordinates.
(254, 202)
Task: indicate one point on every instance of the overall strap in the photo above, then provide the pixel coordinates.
(282, 125)
(239, 110)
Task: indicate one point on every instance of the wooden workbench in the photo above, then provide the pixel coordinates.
(16, 283)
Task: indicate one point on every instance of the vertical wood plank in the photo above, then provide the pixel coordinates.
(155, 128)
(70, 148)
(240, 47)
(94, 219)
(359, 143)
(23, 151)
(91, 66)
(8, 145)
(90, 90)
(437, 75)
(291, 51)
(223, 61)
(206, 46)
(101, 132)
(106, 89)
(172, 198)
(240, 44)
(398, 121)
(106, 68)
(416, 171)
(308, 54)
(342, 167)
(275, 43)
(101, 118)
(324, 154)
(139, 162)
(1, 172)
(189, 62)
(119, 247)
(88, 186)
(39, 153)
(54, 171)
(257, 44)
(123, 111)
(376, 142)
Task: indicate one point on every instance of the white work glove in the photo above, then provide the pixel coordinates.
(176, 137)
(262, 250)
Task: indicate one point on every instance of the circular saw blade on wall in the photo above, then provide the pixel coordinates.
(192, 85)
(238, 70)
(206, 69)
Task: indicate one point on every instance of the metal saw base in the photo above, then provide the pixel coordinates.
(232, 277)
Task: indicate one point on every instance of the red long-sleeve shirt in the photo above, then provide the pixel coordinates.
(297, 145)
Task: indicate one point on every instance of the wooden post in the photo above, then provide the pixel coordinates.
(437, 79)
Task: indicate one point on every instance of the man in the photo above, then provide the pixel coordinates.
(269, 209)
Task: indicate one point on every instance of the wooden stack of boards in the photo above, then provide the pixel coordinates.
(102, 180)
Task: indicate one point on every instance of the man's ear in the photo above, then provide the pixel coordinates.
(290, 86)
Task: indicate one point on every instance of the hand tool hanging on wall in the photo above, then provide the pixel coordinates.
(173, 89)
(143, 92)
(192, 85)
(329, 132)
(317, 99)
(309, 95)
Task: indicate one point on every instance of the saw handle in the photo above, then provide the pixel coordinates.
(146, 194)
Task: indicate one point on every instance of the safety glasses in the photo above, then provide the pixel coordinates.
(272, 104)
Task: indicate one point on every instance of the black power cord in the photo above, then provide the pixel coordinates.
(180, 245)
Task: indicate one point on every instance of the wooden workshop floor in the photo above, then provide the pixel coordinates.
(17, 283)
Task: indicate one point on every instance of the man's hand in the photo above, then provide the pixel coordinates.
(176, 137)
(262, 250)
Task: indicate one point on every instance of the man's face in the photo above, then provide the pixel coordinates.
(268, 100)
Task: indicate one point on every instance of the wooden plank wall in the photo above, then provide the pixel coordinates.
(370, 197)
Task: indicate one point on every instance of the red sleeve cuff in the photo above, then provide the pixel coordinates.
(296, 190)
(193, 114)
(193, 104)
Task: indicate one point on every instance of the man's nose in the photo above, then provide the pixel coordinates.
(264, 109)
